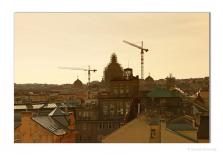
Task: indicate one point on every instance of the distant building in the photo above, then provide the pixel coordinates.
(113, 107)
(163, 103)
(78, 84)
(113, 71)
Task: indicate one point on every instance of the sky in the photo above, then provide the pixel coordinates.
(179, 44)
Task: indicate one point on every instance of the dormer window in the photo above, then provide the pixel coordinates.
(153, 133)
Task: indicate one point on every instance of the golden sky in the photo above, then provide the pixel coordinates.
(179, 44)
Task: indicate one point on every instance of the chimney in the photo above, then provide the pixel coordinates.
(26, 116)
(72, 121)
(25, 128)
(138, 108)
(162, 130)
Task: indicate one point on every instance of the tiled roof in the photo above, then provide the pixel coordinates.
(56, 122)
(161, 92)
(50, 124)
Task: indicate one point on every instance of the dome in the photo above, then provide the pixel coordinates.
(149, 78)
(78, 84)
(114, 70)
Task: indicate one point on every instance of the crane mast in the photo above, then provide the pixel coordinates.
(142, 63)
(142, 55)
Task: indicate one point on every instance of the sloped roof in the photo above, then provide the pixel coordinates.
(154, 121)
(162, 92)
(180, 127)
(56, 121)
(182, 123)
(58, 112)
(149, 78)
(51, 125)
(182, 135)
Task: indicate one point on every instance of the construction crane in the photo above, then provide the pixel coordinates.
(142, 55)
(83, 69)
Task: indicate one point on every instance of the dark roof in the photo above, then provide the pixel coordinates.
(183, 119)
(154, 121)
(56, 122)
(162, 92)
(78, 83)
(50, 124)
(203, 129)
(182, 123)
(184, 136)
(149, 78)
(180, 127)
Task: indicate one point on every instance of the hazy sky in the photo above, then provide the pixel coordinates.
(179, 44)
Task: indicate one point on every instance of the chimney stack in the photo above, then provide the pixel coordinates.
(72, 121)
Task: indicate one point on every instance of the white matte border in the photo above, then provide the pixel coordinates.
(9, 7)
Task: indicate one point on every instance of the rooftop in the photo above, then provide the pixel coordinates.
(161, 92)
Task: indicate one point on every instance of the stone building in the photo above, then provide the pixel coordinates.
(113, 105)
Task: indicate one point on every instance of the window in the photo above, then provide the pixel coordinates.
(112, 109)
(115, 91)
(127, 90)
(84, 126)
(79, 114)
(105, 109)
(104, 125)
(127, 107)
(153, 133)
(121, 91)
(121, 108)
(100, 126)
(86, 115)
(162, 101)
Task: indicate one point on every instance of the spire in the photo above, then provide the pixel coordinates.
(113, 58)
